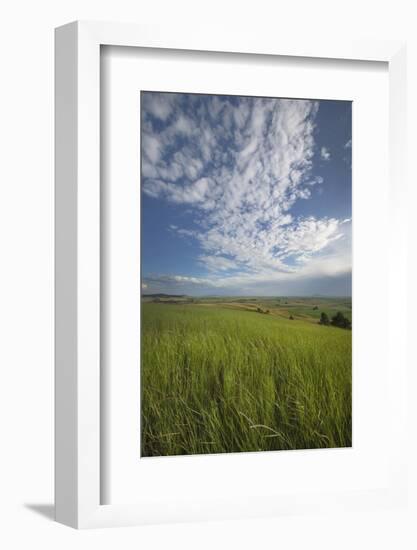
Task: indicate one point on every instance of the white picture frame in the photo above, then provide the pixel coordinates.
(78, 406)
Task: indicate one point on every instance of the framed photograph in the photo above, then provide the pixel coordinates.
(244, 262)
(230, 329)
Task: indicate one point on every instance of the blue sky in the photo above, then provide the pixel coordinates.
(245, 195)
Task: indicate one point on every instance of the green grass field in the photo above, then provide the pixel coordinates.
(218, 376)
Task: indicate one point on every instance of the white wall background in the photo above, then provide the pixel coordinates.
(26, 271)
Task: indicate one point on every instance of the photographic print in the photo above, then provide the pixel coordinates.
(246, 274)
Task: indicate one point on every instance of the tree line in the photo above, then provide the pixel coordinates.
(338, 320)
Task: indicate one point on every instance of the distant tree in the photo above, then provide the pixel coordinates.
(315, 308)
(339, 320)
(291, 318)
(259, 310)
(324, 319)
(267, 311)
(347, 324)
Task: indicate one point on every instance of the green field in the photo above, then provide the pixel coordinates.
(236, 374)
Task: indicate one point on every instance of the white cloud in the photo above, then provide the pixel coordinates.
(217, 263)
(325, 153)
(151, 147)
(310, 235)
(158, 105)
(184, 125)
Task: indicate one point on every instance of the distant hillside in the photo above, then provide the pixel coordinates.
(161, 295)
